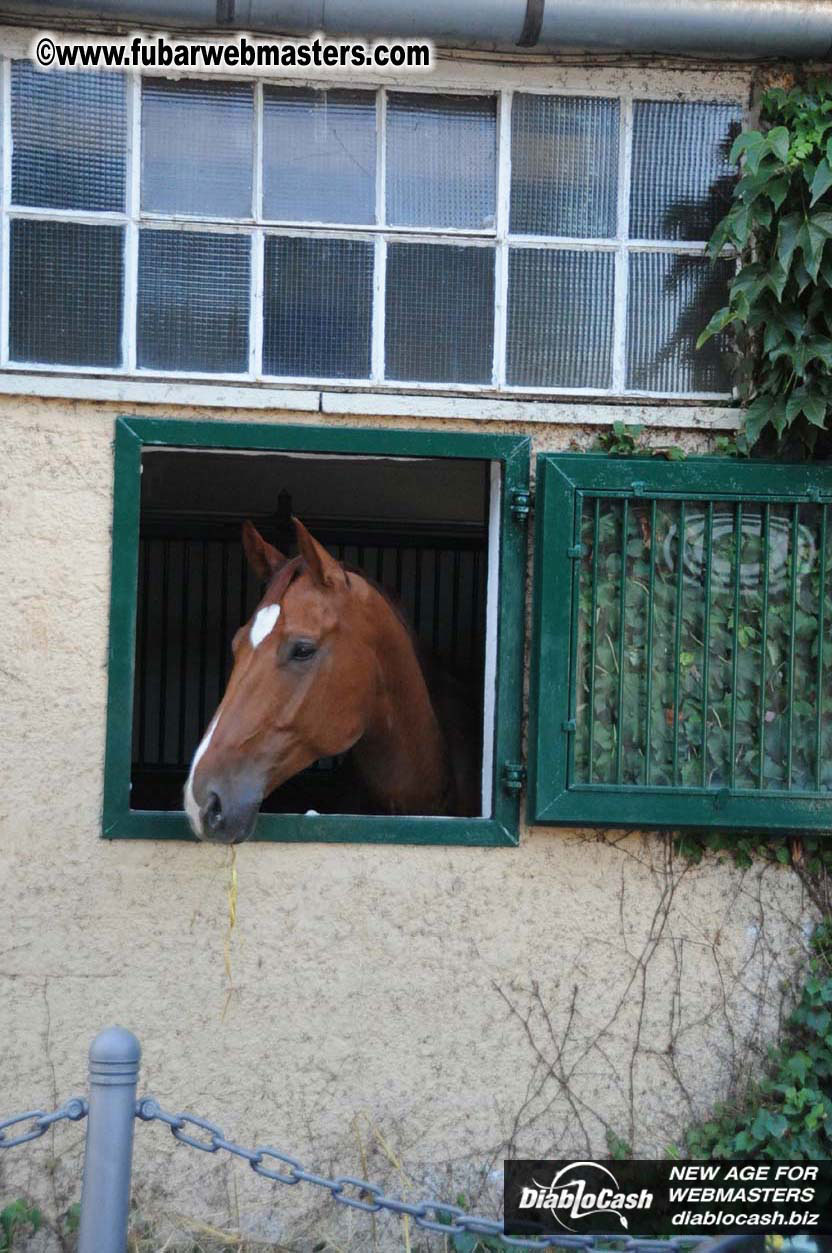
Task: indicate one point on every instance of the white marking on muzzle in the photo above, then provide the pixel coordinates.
(263, 624)
(191, 807)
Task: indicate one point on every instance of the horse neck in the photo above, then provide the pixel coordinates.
(402, 755)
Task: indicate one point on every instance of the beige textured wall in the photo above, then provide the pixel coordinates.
(450, 1004)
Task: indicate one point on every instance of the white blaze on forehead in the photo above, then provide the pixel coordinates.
(191, 807)
(263, 624)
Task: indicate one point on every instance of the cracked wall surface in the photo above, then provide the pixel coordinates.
(411, 1014)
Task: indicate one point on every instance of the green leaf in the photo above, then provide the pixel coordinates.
(718, 323)
(787, 238)
(811, 240)
(777, 190)
(822, 221)
(778, 141)
(748, 142)
(822, 180)
(778, 1125)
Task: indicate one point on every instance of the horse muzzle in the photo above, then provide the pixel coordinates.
(227, 814)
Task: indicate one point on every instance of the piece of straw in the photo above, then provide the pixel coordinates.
(232, 922)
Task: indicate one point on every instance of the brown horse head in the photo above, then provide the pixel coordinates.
(303, 686)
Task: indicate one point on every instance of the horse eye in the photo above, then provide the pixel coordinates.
(302, 650)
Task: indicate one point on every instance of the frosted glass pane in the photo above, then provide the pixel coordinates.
(193, 301)
(197, 148)
(65, 294)
(441, 160)
(68, 138)
(319, 155)
(681, 179)
(671, 299)
(318, 307)
(560, 309)
(564, 165)
(440, 313)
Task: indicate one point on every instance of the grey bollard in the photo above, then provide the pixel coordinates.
(105, 1193)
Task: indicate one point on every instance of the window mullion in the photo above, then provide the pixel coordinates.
(129, 348)
(6, 195)
(380, 248)
(619, 331)
(502, 226)
(257, 275)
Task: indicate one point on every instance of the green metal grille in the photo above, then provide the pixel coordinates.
(694, 661)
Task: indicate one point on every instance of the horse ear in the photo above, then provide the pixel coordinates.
(263, 557)
(323, 567)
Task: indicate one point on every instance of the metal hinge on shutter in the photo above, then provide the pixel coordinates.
(521, 504)
(514, 776)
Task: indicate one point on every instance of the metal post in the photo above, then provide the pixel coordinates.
(105, 1194)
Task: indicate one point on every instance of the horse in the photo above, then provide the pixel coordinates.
(325, 665)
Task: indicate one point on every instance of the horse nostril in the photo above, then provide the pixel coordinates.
(212, 813)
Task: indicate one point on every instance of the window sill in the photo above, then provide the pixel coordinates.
(653, 411)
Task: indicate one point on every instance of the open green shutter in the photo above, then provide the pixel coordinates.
(681, 652)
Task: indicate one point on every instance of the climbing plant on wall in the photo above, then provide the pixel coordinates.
(780, 303)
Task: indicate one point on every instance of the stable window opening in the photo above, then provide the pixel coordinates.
(427, 533)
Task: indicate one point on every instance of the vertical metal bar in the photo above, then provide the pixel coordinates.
(455, 607)
(108, 1155)
(203, 635)
(224, 645)
(417, 592)
(677, 648)
(792, 650)
(622, 606)
(437, 573)
(651, 593)
(474, 633)
(142, 668)
(596, 531)
(735, 650)
(706, 638)
(163, 652)
(243, 588)
(572, 689)
(821, 625)
(764, 560)
(379, 563)
(183, 651)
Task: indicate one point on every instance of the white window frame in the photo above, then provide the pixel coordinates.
(480, 75)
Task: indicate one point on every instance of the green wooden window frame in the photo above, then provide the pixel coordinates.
(667, 723)
(512, 453)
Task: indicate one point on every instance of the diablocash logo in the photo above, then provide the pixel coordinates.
(573, 1199)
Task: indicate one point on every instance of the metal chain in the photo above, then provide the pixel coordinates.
(436, 1216)
(74, 1110)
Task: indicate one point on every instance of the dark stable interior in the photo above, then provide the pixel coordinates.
(417, 526)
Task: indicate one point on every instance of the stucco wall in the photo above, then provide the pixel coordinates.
(456, 1004)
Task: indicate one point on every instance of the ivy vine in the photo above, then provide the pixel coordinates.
(780, 302)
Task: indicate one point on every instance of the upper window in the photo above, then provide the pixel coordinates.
(491, 240)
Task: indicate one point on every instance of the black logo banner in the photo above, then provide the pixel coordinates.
(667, 1198)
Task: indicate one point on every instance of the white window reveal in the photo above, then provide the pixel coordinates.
(505, 241)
